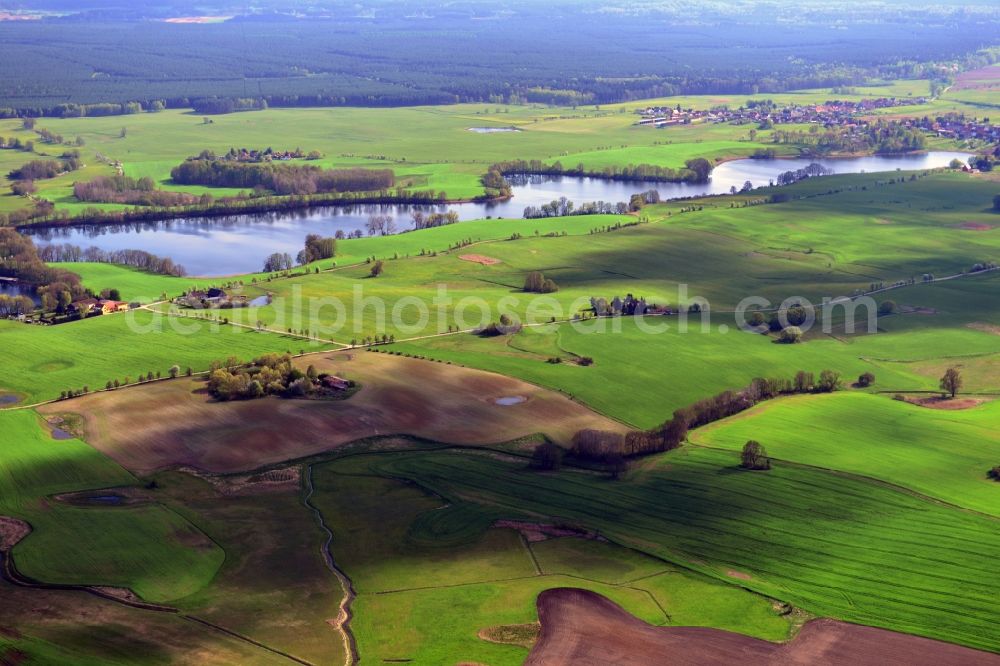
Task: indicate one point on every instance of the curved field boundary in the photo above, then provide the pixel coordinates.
(10, 573)
(584, 628)
(693, 518)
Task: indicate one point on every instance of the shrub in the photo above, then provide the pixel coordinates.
(22, 188)
(537, 283)
(829, 381)
(994, 473)
(887, 308)
(757, 319)
(866, 380)
(791, 335)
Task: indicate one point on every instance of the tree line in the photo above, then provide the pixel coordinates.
(44, 169)
(125, 190)
(809, 171)
(879, 137)
(43, 213)
(611, 447)
(281, 179)
(19, 259)
(696, 170)
(563, 207)
(15, 305)
(140, 259)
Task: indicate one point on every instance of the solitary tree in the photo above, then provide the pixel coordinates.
(754, 456)
(951, 382)
(377, 268)
(866, 380)
(174, 371)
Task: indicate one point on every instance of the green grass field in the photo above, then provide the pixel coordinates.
(832, 545)
(676, 369)
(146, 548)
(876, 511)
(940, 453)
(437, 585)
(91, 352)
(427, 147)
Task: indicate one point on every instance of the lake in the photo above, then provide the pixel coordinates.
(239, 244)
(17, 289)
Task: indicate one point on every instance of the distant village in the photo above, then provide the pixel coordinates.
(835, 113)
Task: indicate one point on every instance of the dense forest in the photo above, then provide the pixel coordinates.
(399, 52)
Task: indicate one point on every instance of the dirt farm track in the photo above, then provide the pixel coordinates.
(174, 423)
(583, 628)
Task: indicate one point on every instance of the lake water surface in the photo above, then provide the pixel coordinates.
(239, 244)
(17, 289)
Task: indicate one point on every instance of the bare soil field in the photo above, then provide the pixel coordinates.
(985, 328)
(986, 77)
(175, 423)
(479, 259)
(937, 402)
(77, 626)
(12, 530)
(583, 628)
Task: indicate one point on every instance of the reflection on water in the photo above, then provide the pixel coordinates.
(17, 289)
(240, 243)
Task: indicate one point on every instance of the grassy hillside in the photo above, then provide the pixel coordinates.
(941, 453)
(147, 548)
(833, 545)
(91, 352)
(440, 588)
(642, 378)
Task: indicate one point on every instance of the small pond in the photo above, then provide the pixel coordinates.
(510, 400)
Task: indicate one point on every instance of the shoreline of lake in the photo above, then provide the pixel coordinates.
(291, 203)
(238, 241)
